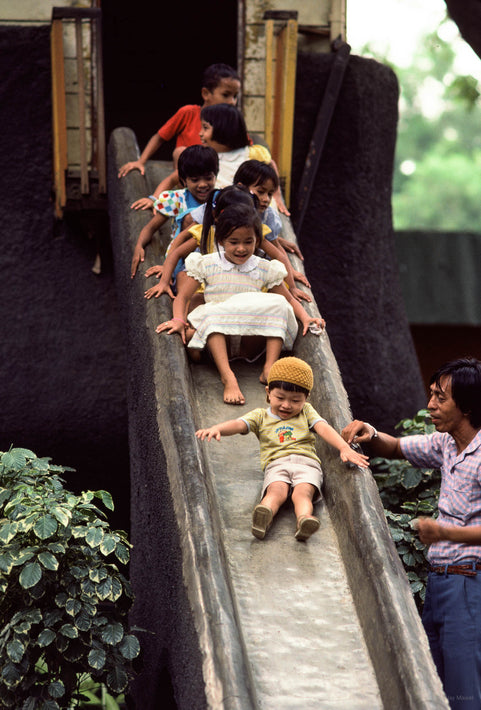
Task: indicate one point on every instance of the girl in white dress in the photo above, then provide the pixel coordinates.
(244, 296)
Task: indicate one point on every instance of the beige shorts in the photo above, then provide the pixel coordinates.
(292, 470)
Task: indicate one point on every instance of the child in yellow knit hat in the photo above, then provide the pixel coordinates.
(287, 442)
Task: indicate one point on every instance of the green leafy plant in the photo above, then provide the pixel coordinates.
(92, 694)
(406, 493)
(63, 600)
(95, 695)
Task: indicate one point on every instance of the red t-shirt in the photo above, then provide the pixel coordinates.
(184, 125)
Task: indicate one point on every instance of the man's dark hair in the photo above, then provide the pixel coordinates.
(197, 160)
(465, 374)
(213, 75)
(287, 387)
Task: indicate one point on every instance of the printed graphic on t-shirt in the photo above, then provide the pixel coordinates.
(284, 433)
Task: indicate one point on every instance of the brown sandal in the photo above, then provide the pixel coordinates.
(261, 521)
(306, 525)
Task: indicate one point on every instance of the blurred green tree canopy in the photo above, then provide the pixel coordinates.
(436, 181)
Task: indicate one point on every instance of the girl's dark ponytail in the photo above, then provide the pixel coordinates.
(208, 220)
(218, 201)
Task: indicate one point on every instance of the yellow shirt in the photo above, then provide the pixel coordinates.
(283, 437)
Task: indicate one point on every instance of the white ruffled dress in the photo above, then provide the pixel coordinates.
(235, 302)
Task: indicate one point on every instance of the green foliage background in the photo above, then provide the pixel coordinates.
(438, 134)
(63, 600)
(406, 493)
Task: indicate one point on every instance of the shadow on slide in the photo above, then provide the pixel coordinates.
(276, 623)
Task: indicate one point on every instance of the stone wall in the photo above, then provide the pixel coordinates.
(62, 349)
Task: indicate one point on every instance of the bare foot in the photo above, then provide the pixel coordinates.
(232, 393)
(263, 376)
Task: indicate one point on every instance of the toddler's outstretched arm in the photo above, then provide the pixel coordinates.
(228, 428)
(329, 434)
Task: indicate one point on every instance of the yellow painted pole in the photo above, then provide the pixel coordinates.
(287, 106)
(278, 95)
(281, 53)
(269, 91)
(59, 119)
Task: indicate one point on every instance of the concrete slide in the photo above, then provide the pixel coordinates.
(273, 624)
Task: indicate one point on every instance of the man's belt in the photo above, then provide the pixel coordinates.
(468, 570)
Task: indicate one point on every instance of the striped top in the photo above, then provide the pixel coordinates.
(460, 496)
(223, 278)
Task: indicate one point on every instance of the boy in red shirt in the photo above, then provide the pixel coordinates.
(220, 85)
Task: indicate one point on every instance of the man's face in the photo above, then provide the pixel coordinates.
(445, 414)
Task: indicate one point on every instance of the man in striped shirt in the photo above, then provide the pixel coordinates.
(452, 609)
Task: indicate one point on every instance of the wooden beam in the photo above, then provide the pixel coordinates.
(281, 61)
(99, 112)
(84, 173)
(59, 119)
(288, 101)
(269, 90)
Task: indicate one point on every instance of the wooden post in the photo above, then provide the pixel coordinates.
(288, 101)
(269, 91)
(84, 175)
(281, 49)
(97, 161)
(59, 119)
(98, 95)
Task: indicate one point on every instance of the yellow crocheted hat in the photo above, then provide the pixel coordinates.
(293, 370)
